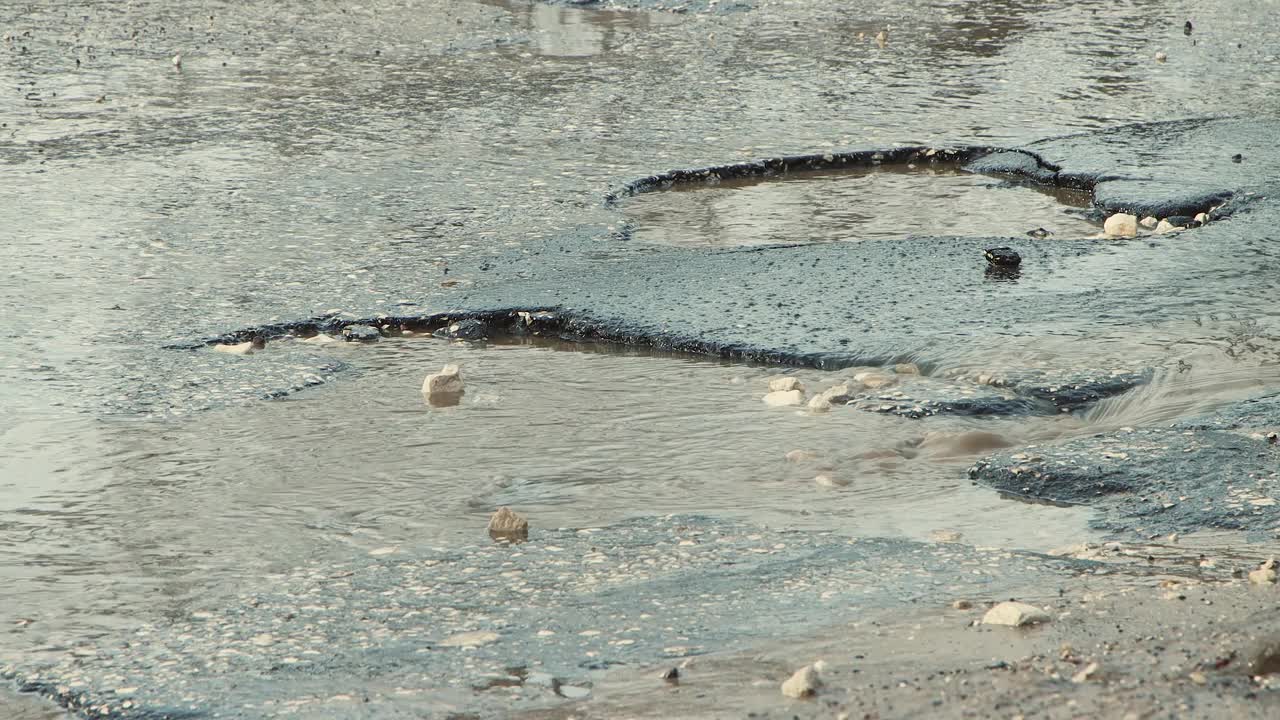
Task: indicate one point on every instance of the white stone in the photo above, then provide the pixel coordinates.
(803, 683)
(446, 382)
(1121, 225)
(244, 348)
(320, 339)
(470, 639)
(1015, 614)
(1202, 218)
(1148, 222)
(907, 369)
(1161, 57)
(784, 398)
(785, 383)
(1164, 226)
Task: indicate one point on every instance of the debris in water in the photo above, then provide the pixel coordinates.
(1186, 29)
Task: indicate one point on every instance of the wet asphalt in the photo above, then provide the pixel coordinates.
(326, 166)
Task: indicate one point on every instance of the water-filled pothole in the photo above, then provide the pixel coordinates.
(866, 203)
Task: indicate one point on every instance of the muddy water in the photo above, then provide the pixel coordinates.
(883, 203)
(308, 156)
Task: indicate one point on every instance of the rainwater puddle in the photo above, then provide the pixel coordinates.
(867, 204)
(118, 515)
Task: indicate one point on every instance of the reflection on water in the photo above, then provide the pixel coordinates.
(886, 202)
(559, 31)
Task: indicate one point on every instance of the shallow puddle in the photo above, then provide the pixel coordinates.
(880, 203)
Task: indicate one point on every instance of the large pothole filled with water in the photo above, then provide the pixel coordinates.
(877, 202)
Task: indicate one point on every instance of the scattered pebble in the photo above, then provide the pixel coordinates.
(785, 383)
(1148, 222)
(1202, 218)
(1087, 673)
(803, 683)
(798, 456)
(784, 398)
(1164, 226)
(470, 639)
(508, 523)
(1265, 574)
(244, 348)
(828, 480)
(446, 382)
(836, 395)
(961, 605)
(1161, 57)
(946, 536)
(875, 380)
(320, 339)
(670, 674)
(907, 368)
(361, 333)
(1015, 614)
(1121, 225)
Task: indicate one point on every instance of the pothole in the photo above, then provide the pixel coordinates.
(879, 202)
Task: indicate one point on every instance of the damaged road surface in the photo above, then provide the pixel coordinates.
(715, 279)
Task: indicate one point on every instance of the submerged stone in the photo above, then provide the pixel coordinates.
(1160, 480)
